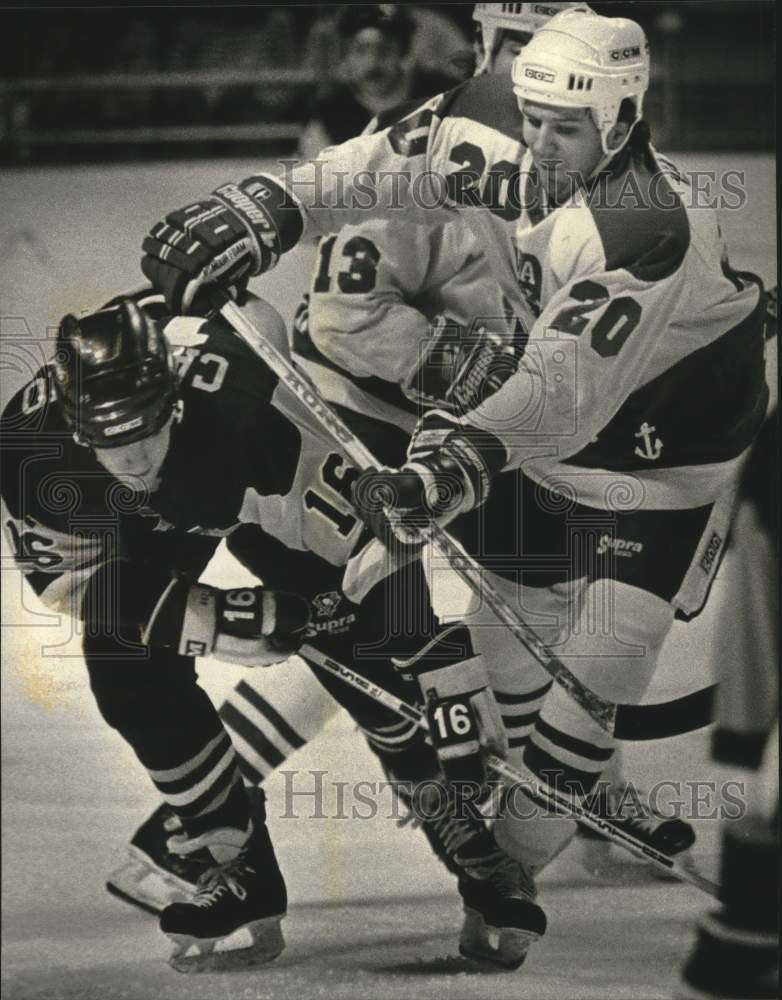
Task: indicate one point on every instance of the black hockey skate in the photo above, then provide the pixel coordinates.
(501, 917)
(246, 893)
(152, 876)
(629, 809)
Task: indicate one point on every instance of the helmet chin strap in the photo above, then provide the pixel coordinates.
(609, 154)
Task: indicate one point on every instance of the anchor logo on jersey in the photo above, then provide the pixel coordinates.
(326, 604)
(651, 450)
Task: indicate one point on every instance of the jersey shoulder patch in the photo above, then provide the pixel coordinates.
(33, 409)
(641, 220)
(487, 100)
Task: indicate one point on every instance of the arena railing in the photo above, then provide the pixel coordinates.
(682, 116)
(20, 99)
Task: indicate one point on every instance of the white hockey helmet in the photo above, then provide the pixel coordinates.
(584, 60)
(525, 17)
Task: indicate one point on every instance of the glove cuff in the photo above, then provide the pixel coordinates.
(480, 456)
(273, 220)
(258, 223)
(184, 618)
(199, 624)
(440, 441)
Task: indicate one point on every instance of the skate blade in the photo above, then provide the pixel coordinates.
(267, 944)
(504, 947)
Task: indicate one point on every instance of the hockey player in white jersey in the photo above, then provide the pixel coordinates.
(623, 306)
(503, 29)
(393, 313)
(594, 269)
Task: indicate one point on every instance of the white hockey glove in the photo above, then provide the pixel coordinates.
(459, 368)
(251, 626)
(463, 716)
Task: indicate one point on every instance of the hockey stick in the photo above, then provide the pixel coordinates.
(616, 720)
(553, 799)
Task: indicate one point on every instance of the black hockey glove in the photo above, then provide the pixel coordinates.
(238, 232)
(448, 473)
(459, 368)
(251, 626)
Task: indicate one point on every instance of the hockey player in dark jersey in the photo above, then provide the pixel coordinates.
(86, 445)
(279, 495)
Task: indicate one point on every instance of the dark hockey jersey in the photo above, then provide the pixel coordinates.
(67, 517)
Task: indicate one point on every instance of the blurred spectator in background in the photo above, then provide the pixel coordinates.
(375, 71)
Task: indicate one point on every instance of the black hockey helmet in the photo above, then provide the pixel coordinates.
(114, 375)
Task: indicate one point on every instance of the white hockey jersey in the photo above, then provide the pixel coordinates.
(373, 297)
(643, 375)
